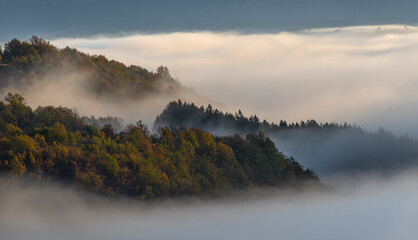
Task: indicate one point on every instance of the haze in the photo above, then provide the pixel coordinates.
(329, 60)
(368, 208)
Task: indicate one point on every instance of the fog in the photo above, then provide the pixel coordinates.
(329, 151)
(368, 208)
(364, 75)
(71, 88)
(238, 55)
(348, 151)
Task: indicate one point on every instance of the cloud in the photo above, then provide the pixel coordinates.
(365, 75)
(365, 208)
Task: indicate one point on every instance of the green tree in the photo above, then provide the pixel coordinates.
(57, 133)
(20, 53)
(17, 111)
(16, 164)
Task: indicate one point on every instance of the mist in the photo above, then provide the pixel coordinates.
(334, 61)
(365, 75)
(369, 208)
(328, 151)
(348, 152)
(67, 87)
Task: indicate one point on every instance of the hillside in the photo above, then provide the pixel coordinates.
(26, 62)
(54, 143)
(329, 148)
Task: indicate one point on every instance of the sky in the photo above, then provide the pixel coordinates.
(54, 18)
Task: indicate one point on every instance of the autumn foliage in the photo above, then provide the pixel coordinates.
(54, 143)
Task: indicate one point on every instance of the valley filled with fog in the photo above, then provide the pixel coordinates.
(188, 154)
(369, 207)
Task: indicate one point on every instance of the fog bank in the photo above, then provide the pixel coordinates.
(364, 75)
(348, 151)
(367, 208)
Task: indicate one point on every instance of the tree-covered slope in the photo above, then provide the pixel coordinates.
(328, 148)
(54, 143)
(26, 62)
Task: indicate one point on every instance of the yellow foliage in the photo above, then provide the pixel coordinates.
(12, 130)
(16, 164)
(58, 133)
(24, 143)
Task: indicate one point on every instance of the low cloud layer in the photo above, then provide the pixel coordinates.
(363, 75)
(367, 208)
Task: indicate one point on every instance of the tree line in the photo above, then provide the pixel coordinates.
(179, 114)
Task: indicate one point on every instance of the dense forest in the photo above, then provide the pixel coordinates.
(329, 148)
(26, 62)
(54, 143)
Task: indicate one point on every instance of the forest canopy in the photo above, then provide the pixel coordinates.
(54, 143)
(26, 62)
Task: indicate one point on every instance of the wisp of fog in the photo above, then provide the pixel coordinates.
(368, 208)
(66, 87)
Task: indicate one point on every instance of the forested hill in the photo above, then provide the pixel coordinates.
(53, 143)
(26, 62)
(329, 148)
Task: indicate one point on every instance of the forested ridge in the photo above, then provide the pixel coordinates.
(27, 62)
(329, 148)
(179, 114)
(54, 143)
